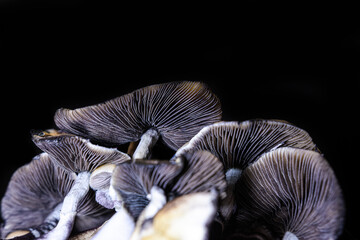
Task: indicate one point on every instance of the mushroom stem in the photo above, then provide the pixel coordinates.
(290, 236)
(228, 205)
(120, 224)
(232, 175)
(147, 141)
(69, 208)
(50, 222)
(157, 201)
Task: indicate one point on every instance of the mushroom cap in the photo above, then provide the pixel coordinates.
(35, 190)
(177, 110)
(239, 144)
(186, 217)
(202, 172)
(133, 182)
(291, 190)
(100, 178)
(74, 153)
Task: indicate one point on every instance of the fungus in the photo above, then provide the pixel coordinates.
(174, 111)
(100, 182)
(34, 198)
(186, 217)
(79, 156)
(291, 193)
(239, 144)
(189, 173)
(132, 182)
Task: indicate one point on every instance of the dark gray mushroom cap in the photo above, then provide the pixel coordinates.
(176, 110)
(238, 144)
(201, 172)
(291, 190)
(36, 189)
(133, 182)
(74, 153)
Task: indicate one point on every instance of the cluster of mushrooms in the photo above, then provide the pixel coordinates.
(255, 179)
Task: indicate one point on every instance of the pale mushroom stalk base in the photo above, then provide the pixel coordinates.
(68, 211)
(147, 141)
(49, 223)
(290, 236)
(120, 224)
(227, 205)
(233, 175)
(157, 201)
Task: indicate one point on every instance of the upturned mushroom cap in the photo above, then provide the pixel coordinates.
(239, 144)
(36, 189)
(201, 172)
(291, 190)
(176, 110)
(74, 153)
(133, 182)
(100, 178)
(187, 217)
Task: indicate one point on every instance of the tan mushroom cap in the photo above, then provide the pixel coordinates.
(186, 217)
(100, 178)
(291, 190)
(17, 233)
(176, 110)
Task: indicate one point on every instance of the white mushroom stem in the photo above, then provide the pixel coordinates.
(290, 236)
(69, 208)
(232, 175)
(119, 227)
(49, 223)
(157, 201)
(147, 141)
(227, 205)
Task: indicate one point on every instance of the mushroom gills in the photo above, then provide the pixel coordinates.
(69, 208)
(49, 223)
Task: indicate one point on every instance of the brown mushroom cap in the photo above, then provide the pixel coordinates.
(35, 190)
(239, 144)
(74, 153)
(177, 110)
(291, 190)
(185, 217)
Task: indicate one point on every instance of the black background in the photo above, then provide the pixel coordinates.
(295, 62)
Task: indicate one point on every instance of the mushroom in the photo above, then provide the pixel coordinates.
(174, 111)
(78, 156)
(186, 217)
(100, 183)
(132, 182)
(290, 194)
(34, 197)
(239, 144)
